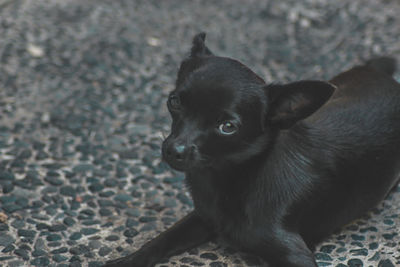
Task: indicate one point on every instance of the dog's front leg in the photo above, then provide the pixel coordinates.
(185, 234)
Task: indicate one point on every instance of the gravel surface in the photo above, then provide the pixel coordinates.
(82, 91)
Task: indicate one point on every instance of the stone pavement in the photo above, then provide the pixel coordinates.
(83, 86)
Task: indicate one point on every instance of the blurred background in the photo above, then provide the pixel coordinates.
(83, 86)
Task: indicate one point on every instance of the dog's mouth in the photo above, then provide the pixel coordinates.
(182, 167)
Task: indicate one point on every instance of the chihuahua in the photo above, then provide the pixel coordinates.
(274, 169)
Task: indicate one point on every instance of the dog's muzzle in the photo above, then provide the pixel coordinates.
(178, 155)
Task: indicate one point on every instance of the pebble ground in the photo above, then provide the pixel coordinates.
(83, 86)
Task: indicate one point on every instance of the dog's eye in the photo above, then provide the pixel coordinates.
(227, 128)
(174, 102)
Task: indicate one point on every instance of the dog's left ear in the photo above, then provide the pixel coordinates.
(295, 101)
(199, 48)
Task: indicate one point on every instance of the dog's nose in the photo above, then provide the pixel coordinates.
(178, 152)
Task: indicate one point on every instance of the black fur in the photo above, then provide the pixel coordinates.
(274, 169)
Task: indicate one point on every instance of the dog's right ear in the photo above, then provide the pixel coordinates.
(199, 48)
(295, 101)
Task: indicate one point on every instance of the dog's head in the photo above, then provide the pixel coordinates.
(223, 112)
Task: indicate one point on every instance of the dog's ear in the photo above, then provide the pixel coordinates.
(295, 101)
(199, 48)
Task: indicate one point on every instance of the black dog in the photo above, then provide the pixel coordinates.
(274, 169)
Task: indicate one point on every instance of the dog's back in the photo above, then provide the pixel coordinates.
(365, 108)
(356, 136)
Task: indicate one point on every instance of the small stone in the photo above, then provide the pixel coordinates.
(184, 199)
(39, 244)
(26, 233)
(23, 253)
(57, 228)
(103, 251)
(357, 243)
(25, 246)
(95, 264)
(170, 203)
(75, 236)
(8, 199)
(38, 252)
(123, 198)
(358, 237)
(54, 244)
(131, 223)
(59, 258)
(94, 244)
(42, 261)
(132, 212)
(388, 222)
(373, 245)
(16, 263)
(106, 193)
(341, 250)
(3, 227)
(68, 191)
(322, 256)
(11, 207)
(75, 258)
(107, 224)
(59, 250)
(209, 256)
(366, 229)
(128, 154)
(8, 188)
(88, 212)
(31, 221)
(75, 205)
(386, 263)
(78, 250)
(389, 236)
(168, 220)
(110, 182)
(105, 212)
(119, 228)
(112, 238)
(359, 252)
(91, 222)
(218, 264)
(4, 175)
(96, 187)
(8, 248)
(355, 263)
(51, 210)
(375, 257)
(105, 202)
(83, 168)
(148, 227)
(53, 180)
(69, 221)
(89, 231)
(130, 232)
(53, 237)
(186, 260)
(35, 50)
(42, 226)
(145, 219)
